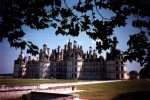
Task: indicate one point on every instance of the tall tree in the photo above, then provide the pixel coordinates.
(73, 19)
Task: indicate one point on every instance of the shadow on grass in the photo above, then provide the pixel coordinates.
(137, 95)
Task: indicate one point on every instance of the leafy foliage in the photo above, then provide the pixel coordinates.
(145, 72)
(75, 18)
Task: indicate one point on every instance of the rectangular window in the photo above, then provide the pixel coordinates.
(75, 69)
(84, 69)
(75, 53)
(117, 69)
(117, 76)
(121, 62)
(122, 76)
(75, 75)
(75, 63)
(90, 64)
(121, 68)
(116, 62)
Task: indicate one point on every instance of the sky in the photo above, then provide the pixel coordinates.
(39, 37)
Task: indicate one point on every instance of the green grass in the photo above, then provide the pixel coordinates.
(10, 80)
(124, 90)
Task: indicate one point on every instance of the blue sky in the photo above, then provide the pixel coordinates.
(39, 37)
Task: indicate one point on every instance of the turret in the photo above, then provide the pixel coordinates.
(90, 52)
(94, 54)
(115, 42)
(58, 49)
(48, 51)
(75, 44)
(85, 57)
(69, 45)
(40, 55)
(29, 59)
(44, 47)
(80, 47)
(90, 49)
(66, 47)
(21, 56)
(61, 54)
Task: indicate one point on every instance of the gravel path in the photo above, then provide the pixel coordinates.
(83, 83)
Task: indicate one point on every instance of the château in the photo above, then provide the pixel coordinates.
(72, 63)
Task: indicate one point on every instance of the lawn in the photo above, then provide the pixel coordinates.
(123, 90)
(10, 80)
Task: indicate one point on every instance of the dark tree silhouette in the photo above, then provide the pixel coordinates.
(145, 72)
(76, 18)
(133, 74)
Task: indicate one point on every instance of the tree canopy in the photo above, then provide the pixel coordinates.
(145, 73)
(76, 18)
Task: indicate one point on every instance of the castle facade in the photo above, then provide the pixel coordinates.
(71, 63)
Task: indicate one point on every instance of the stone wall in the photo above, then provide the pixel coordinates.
(16, 92)
(12, 94)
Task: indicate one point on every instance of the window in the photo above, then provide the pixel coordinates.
(116, 62)
(121, 62)
(75, 63)
(75, 69)
(90, 63)
(122, 76)
(90, 69)
(75, 75)
(96, 69)
(85, 69)
(103, 69)
(117, 69)
(96, 63)
(100, 70)
(121, 68)
(75, 53)
(117, 76)
(93, 69)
